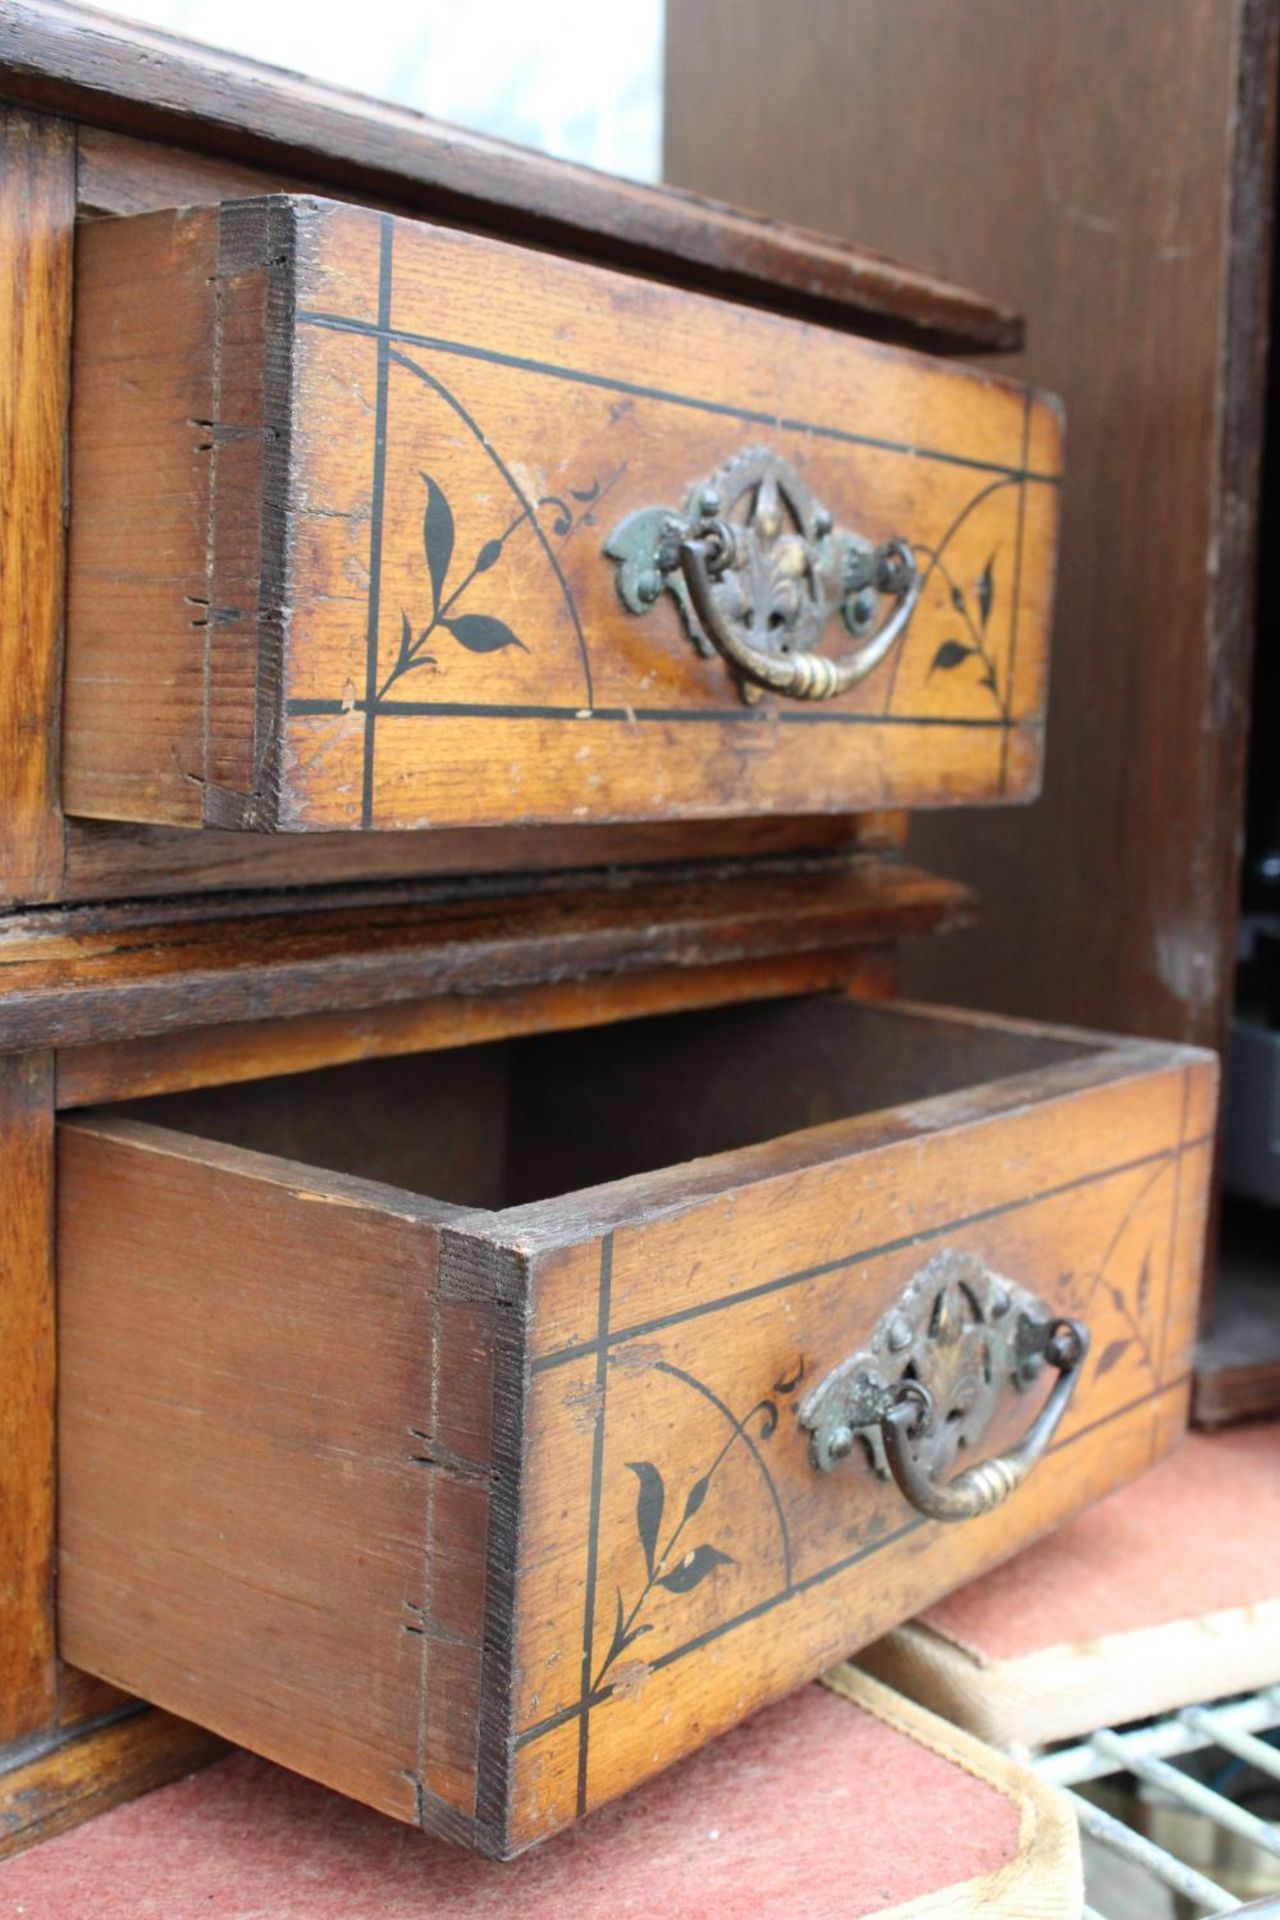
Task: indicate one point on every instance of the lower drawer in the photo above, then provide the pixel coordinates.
(484, 1508)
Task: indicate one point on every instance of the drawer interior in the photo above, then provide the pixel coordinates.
(504, 1124)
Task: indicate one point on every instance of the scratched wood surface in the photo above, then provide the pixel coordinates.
(361, 496)
(560, 1521)
(44, 1794)
(89, 976)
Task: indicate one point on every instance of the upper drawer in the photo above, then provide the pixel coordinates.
(381, 525)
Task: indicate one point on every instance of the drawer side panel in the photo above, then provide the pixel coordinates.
(246, 1456)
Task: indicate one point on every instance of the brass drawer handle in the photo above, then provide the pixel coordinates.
(928, 1383)
(757, 567)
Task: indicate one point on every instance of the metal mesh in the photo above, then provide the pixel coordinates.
(1180, 1830)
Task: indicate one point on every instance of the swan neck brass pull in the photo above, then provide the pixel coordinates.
(928, 1383)
(758, 568)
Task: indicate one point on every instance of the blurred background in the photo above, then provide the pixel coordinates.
(577, 79)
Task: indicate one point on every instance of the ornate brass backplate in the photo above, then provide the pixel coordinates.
(757, 567)
(927, 1384)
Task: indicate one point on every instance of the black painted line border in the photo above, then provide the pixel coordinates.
(751, 416)
(819, 1578)
(1175, 1216)
(640, 1329)
(593, 1516)
(310, 708)
(376, 510)
(1011, 668)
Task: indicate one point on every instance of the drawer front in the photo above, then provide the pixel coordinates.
(377, 525)
(487, 1517)
(717, 1565)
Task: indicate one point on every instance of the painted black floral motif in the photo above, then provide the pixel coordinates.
(679, 1566)
(479, 633)
(975, 620)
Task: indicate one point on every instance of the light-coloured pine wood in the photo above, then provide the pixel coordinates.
(484, 1516)
(257, 638)
(1043, 1880)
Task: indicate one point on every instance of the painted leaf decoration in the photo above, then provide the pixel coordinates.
(481, 633)
(989, 680)
(694, 1568)
(488, 554)
(619, 1634)
(768, 1411)
(1144, 1283)
(1110, 1355)
(585, 494)
(790, 1381)
(563, 518)
(697, 1494)
(950, 654)
(985, 592)
(623, 1636)
(406, 639)
(957, 599)
(437, 539)
(650, 1501)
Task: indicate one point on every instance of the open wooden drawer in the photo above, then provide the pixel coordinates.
(486, 1506)
(380, 525)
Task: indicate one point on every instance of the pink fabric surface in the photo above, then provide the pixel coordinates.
(1198, 1534)
(813, 1808)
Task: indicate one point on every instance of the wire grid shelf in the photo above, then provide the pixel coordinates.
(1235, 1727)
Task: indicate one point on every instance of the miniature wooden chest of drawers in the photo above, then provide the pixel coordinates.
(523, 1309)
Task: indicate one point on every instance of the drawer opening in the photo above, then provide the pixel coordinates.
(518, 1121)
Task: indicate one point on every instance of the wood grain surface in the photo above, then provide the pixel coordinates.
(93, 975)
(256, 1049)
(28, 1670)
(106, 861)
(363, 492)
(37, 209)
(1064, 157)
(119, 75)
(579, 1410)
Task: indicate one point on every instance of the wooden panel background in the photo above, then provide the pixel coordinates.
(1106, 167)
